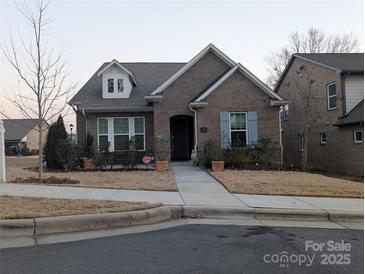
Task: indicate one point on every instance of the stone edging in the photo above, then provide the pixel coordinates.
(88, 222)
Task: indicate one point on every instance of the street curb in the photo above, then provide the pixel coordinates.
(89, 222)
(16, 228)
(218, 212)
(346, 216)
(99, 221)
(291, 214)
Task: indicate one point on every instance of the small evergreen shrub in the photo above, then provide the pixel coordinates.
(56, 135)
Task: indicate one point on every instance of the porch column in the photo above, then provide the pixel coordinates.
(2, 152)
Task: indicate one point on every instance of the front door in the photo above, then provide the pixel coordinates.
(180, 137)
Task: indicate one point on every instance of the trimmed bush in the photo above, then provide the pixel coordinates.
(56, 135)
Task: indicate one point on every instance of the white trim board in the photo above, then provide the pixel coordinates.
(188, 65)
(246, 73)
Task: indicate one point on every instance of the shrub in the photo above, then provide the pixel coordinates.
(103, 157)
(161, 148)
(66, 154)
(130, 161)
(50, 180)
(211, 152)
(237, 157)
(56, 134)
(265, 149)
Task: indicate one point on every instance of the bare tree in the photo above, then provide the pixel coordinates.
(312, 41)
(41, 71)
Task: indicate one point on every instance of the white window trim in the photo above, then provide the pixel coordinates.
(97, 130)
(131, 132)
(237, 130)
(320, 138)
(328, 96)
(362, 134)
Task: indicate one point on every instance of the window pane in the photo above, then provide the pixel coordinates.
(332, 102)
(238, 120)
(103, 142)
(332, 90)
(238, 138)
(121, 126)
(139, 142)
(110, 85)
(138, 125)
(103, 126)
(120, 85)
(358, 136)
(121, 142)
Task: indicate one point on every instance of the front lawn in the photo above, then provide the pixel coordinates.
(12, 207)
(287, 183)
(19, 167)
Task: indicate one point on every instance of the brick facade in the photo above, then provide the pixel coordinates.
(340, 154)
(239, 94)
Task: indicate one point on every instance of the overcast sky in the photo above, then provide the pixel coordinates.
(92, 32)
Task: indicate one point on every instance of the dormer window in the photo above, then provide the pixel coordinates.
(117, 81)
(120, 85)
(110, 85)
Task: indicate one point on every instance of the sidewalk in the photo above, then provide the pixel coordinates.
(196, 188)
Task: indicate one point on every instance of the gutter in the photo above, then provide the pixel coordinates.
(195, 129)
(278, 103)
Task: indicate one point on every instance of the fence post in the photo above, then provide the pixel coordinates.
(2, 152)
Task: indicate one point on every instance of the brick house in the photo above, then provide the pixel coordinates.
(209, 97)
(325, 92)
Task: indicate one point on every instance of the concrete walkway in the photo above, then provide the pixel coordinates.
(196, 188)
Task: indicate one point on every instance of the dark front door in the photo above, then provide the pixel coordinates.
(181, 137)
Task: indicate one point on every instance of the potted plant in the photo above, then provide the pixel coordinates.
(214, 154)
(87, 162)
(161, 153)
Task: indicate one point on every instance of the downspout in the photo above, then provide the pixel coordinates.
(195, 129)
(281, 140)
(84, 114)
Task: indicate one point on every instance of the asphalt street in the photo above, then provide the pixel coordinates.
(198, 249)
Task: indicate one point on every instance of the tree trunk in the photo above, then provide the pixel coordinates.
(40, 149)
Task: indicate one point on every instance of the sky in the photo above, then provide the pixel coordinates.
(93, 32)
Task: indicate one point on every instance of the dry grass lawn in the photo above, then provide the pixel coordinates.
(145, 180)
(12, 207)
(288, 183)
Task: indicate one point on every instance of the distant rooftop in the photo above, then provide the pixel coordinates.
(17, 129)
(345, 62)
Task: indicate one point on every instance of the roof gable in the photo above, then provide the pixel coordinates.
(17, 129)
(193, 61)
(340, 62)
(115, 62)
(247, 74)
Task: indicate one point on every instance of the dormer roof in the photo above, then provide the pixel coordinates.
(115, 62)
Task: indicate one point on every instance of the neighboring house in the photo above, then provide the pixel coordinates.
(210, 97)
(21, 134)
(326, 92)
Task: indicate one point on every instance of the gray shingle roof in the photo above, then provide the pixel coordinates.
(355, 116)
(149, 76)
(17, 129)
(345, 62)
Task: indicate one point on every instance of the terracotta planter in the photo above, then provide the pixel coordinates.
(218, 165)
(162, 165)
(87, 163)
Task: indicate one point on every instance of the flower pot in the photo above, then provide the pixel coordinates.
(87, 163)
(162, 165)
(218, 165)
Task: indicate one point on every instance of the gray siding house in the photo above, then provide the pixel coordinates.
(326, 95)
(209, 97)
